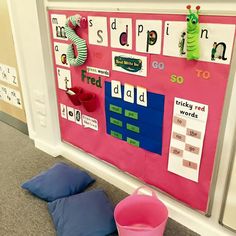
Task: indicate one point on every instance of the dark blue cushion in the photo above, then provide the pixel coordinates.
(59, 181)
(85, 214)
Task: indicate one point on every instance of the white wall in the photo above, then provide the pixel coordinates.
(230, 207)
(38, 91)
(34, 58)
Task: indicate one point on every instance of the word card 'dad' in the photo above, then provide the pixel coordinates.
(129, 94)
(216, 41)
(187, 136)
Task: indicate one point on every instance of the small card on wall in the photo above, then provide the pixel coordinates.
(98, 30)
(148, 36)
(60, 50)
(129, 63)
(142, 96)
(121, 33)
(11, 96)
(71, 114)
(129, 93)
(1, 94)
(116, 89)
(89, 122)
(8, 74)
(16, 98)
(78, 117)
(215, 40)
(187, 136)
(4, 93)
(64, 78)
(63, 111)
(98, 71)
(58, 26)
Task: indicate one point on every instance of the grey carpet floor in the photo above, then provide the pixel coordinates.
(23, 214)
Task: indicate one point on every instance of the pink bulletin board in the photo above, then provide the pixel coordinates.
(157, 115)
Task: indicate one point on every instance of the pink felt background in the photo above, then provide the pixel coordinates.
(147, 166)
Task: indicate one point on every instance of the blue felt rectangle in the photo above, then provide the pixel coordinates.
(149, 130)
(148, 120)
(145, 114)
(152, 145)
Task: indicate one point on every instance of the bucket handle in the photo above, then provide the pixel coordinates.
(147, 188)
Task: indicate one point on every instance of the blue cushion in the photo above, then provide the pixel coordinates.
(59, 181)
(85, 214)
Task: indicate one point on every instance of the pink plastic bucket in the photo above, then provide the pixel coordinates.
(141, 215)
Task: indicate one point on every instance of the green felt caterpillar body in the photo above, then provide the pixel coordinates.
(193, 31)
(71, 23)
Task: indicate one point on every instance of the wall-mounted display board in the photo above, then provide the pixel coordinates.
(137, 102)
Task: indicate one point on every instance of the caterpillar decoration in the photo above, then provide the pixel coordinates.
(193, 31)
(71, 23)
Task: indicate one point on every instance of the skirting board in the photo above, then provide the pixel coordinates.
(45, 147)
(19, 125)
(199, 223)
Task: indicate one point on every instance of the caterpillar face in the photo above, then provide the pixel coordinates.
(192, 21)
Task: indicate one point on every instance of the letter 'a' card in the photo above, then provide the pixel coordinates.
(60, 50)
